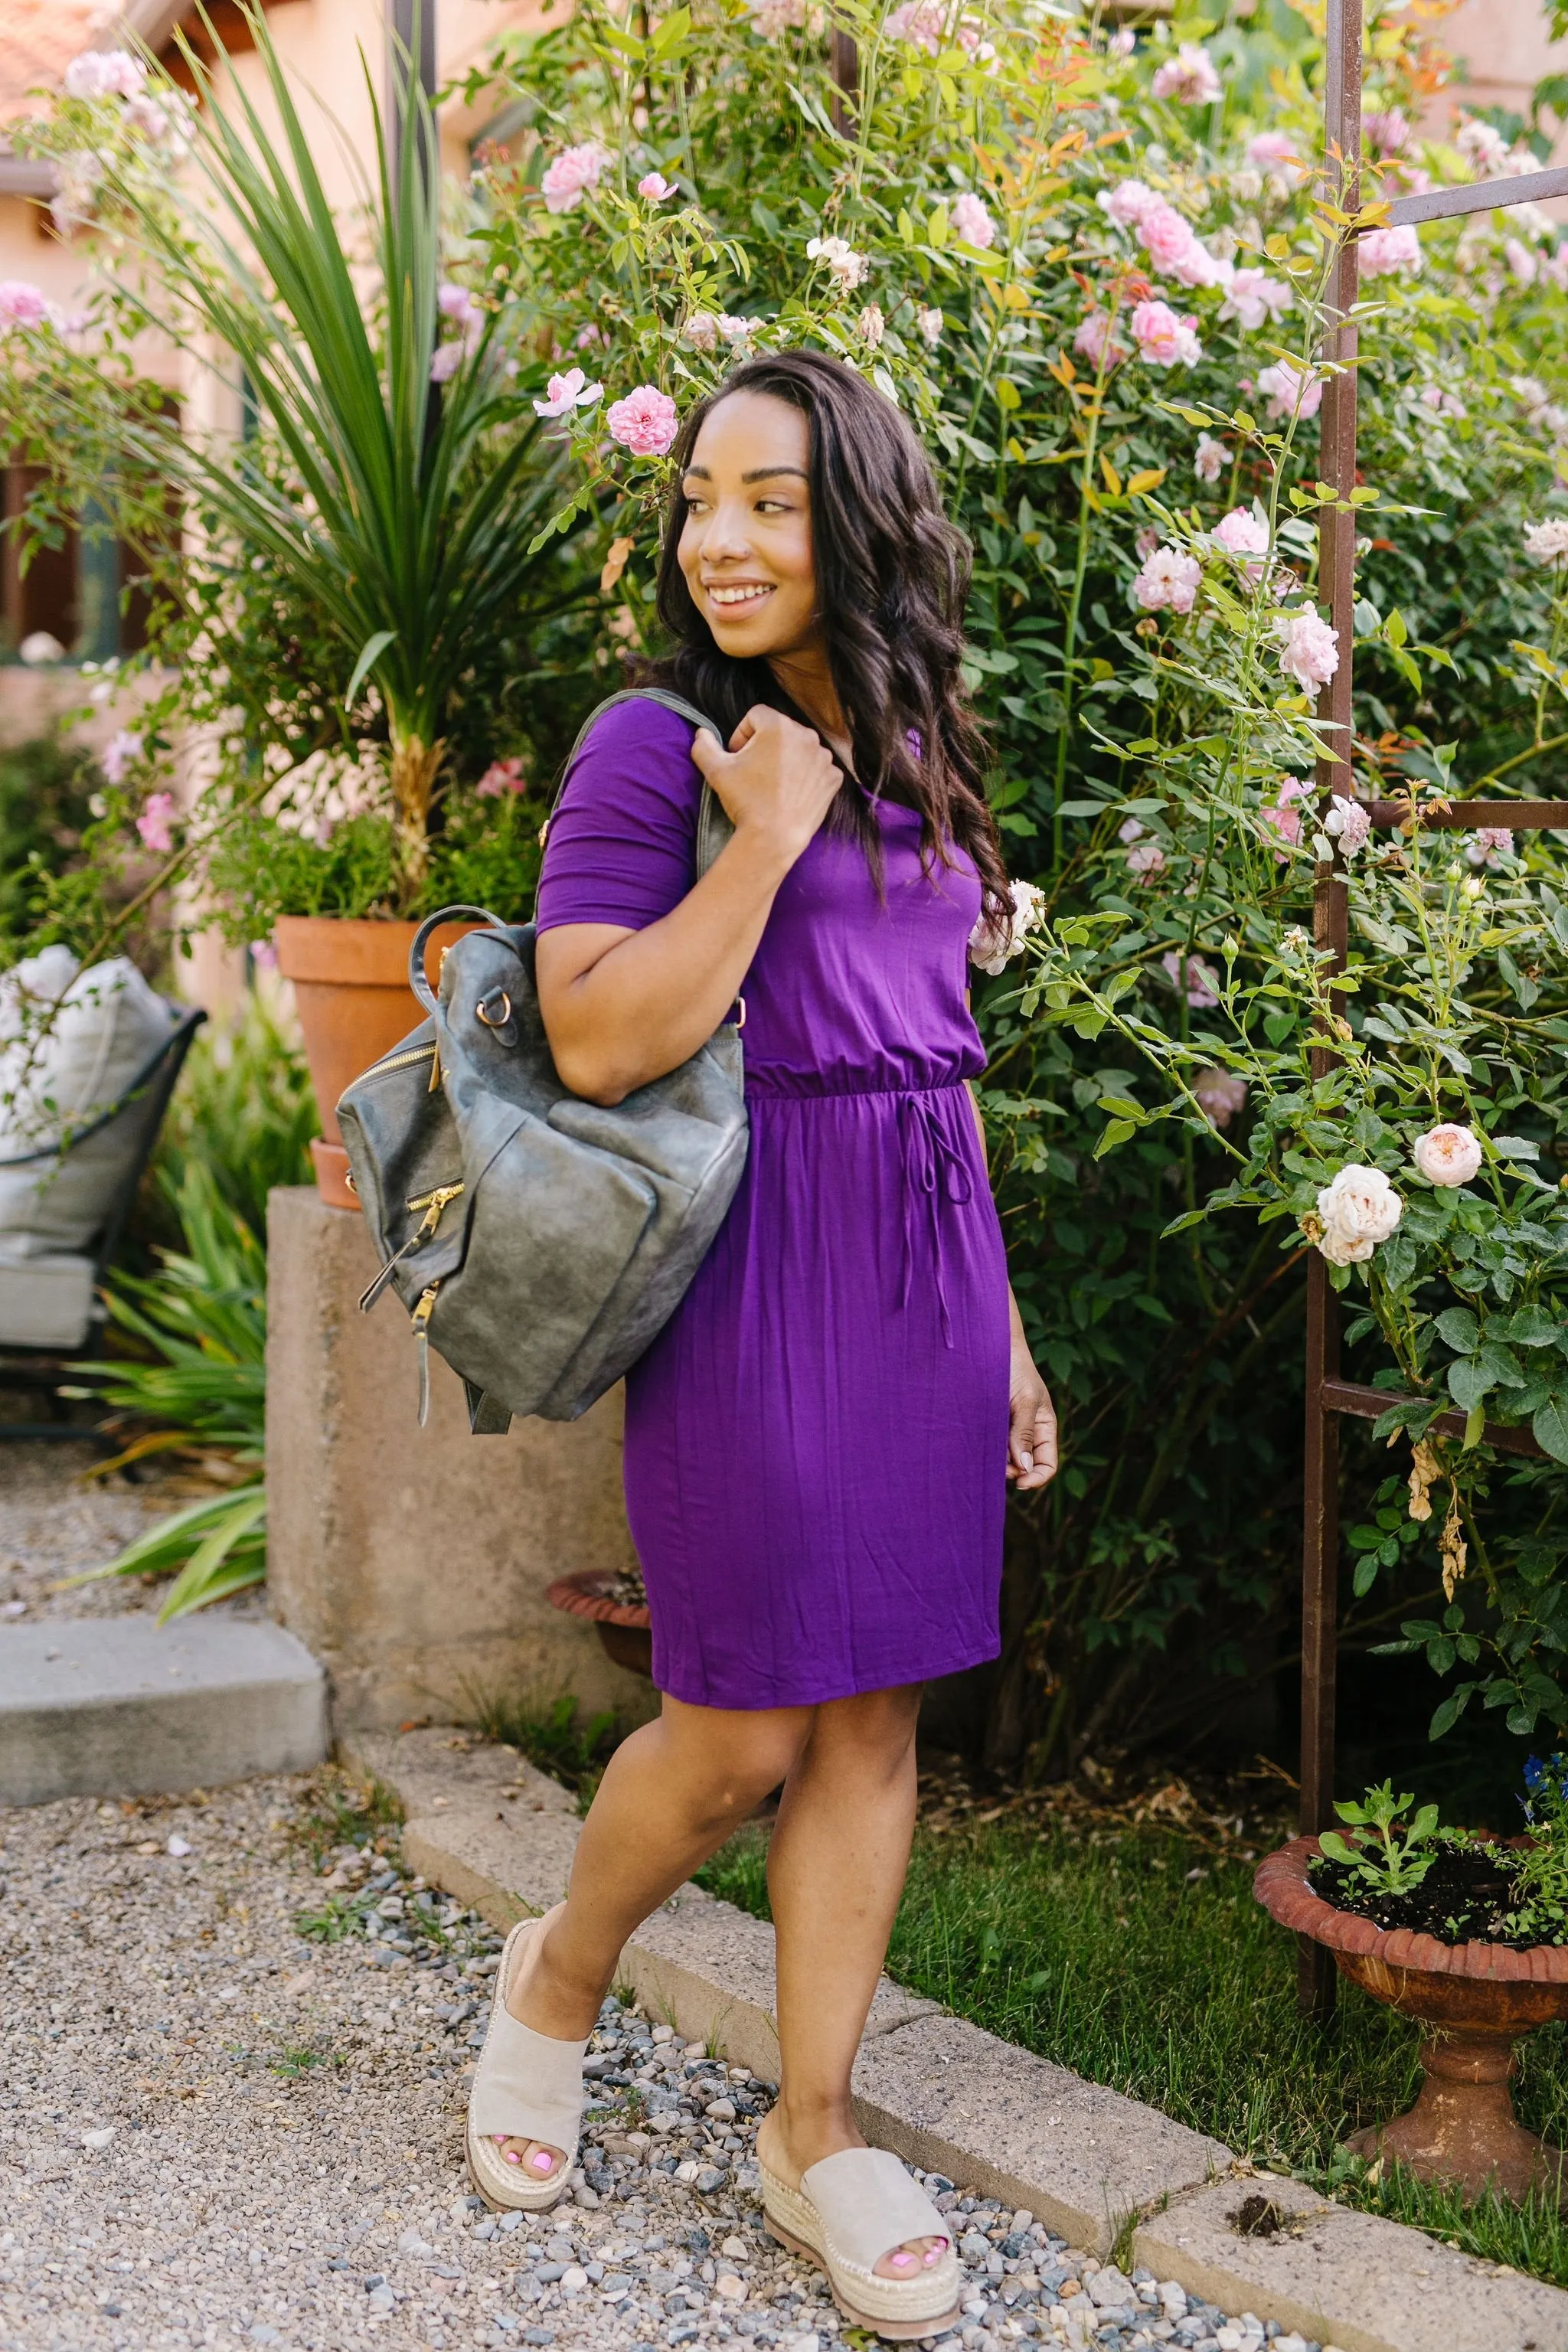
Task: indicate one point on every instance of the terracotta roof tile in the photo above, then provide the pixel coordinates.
(38, 39)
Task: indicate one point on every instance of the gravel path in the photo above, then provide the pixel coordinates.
(218, 2128)
(53, 1524)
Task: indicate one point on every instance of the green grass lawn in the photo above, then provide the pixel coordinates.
(1140, 1960)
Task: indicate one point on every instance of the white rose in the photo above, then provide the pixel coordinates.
(1448, 1154)
(1358, 1210)
(990, 948)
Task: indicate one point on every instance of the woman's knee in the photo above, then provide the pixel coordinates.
(736, 1759)
(874, 1730)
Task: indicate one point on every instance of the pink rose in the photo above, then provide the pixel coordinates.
(1145, 860)
(655, 188)
(645, 422)
(1281, 815)
(572, 174)
(1309, 648)
(1163, 339)
(1292, 390)
(1348, 821)
(1189, 78)
(922, 23)
(971, 222)
(118, 754)
(1095, 342)
(1208, 458)
(445, 362)
(1447, 1155)
(152, 825)
(1127, 203)
(1490, 844)
(1168, 578)
(1219, 1096)
(456, 302)
(21, 303)
(1201, 983)
(104, 73)
(1241, 533)
(1273, 151)
(565, 392)
(1383, 251)
(1165, 236)
(1253, 298)
(502, 776)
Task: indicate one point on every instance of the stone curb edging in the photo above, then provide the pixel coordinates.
(1282, 1886)
(950, 2097)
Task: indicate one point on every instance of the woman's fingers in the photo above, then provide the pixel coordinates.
(1032, 1451)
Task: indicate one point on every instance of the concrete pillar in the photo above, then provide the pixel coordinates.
(413, 1562)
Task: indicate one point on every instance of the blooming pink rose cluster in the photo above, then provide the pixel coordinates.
(105, 73)
(1095, 342)
(22, 304)
(1162, 338)
(1189, 78)
(971, 222)
(1488, 845)
(1309, 647)
(1386, 133)
(154, 821)
(1385, 252)
(1169, 578)
(1292, 390)
(1242, 532)
(572, 174)
(645, 422)
(1198, 979)
(1255, 300)
(1349, 822)
(1282, 817)
(502, 776)
(1276, 152)
(1219, 1096)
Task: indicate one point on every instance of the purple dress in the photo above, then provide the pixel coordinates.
(816, 1442)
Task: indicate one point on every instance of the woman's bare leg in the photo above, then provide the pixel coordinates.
(836, 1871)
(672, 1795)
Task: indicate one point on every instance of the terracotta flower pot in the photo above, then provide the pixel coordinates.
(623, 1626)
(351, 983)
(1475, 2001)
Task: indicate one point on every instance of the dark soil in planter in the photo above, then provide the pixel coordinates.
(1469, 1892)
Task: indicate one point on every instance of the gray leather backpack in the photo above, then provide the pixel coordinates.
(539, 1242)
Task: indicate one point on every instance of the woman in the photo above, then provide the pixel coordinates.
(817, 1442)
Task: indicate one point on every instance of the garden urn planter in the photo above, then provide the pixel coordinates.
(1473, 2000)
(351, 985)
(607, 1598)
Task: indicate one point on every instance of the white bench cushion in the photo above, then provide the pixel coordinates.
(109, 1024)
(44, 1302)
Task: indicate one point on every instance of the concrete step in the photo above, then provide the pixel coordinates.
(108, 1707)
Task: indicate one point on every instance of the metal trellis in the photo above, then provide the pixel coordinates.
(1328, 1395)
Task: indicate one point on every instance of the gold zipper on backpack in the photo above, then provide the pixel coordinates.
(401, 1061)
(433, 1203)
(422, 1314)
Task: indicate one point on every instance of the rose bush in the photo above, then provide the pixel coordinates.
(1090, 267)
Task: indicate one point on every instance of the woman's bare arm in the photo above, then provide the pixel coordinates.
(623, 1007)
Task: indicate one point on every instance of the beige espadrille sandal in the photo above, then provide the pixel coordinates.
(527, 2085)
(848, 2212)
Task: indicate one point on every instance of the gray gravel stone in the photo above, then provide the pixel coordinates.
(217, 2129)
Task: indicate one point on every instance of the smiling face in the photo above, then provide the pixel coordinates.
(746, 547)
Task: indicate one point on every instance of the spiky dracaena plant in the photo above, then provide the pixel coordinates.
(394, 498)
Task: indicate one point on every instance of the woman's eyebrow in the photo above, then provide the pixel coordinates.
(757, 474)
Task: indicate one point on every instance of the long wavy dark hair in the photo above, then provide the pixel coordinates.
(892, 575)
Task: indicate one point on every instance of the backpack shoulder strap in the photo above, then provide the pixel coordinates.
(713, 828)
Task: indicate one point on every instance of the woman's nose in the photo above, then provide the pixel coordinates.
(725, 534)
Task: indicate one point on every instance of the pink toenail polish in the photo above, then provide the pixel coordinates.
(512, 2157)
(542, 2162)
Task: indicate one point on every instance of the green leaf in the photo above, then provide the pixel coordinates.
(368, 654)
(1117, 1132)
(1448, 1714)
(1468, 1381)
(1550, 1428)
(1515, 1146)
(1459, 1330)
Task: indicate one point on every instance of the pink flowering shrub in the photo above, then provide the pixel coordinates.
(571, 175)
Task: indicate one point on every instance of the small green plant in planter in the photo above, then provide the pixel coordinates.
(1540, 1913)
(1388, 1861)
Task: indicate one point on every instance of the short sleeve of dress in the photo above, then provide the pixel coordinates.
(622, 842)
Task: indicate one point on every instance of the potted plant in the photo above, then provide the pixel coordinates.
(614, 1602)
(1466, 1933)
(347, 590)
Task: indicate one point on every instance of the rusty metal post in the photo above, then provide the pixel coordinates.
(845, 63)
(1321, 1546)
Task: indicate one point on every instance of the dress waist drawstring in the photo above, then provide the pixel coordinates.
(934, 1175)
